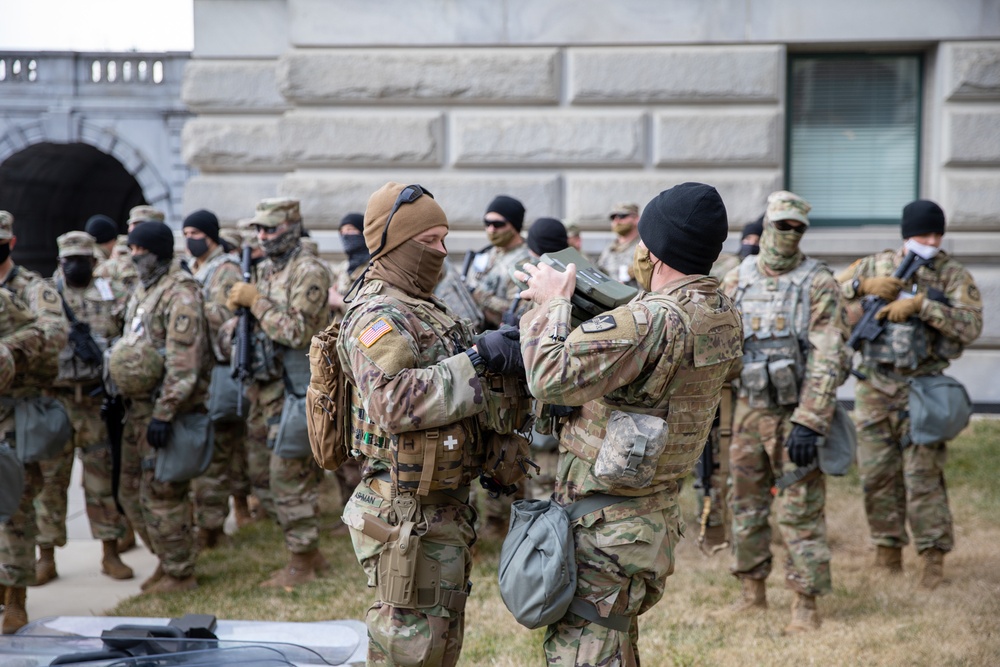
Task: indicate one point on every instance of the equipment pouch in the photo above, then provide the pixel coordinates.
(784, 380)
(266, 365)
(631, 449)
(754, 382)
(508, 405)
(42, 428)
(506, 461)
(430, 460)
(909, 344)
(292, 441)
(397, 565)
(11, 482)
(189, 449)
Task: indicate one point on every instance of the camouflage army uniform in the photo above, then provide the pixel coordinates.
(217, 273)
(118, 268)
(907, 482)
(492, 288)
(639, 357)
(101, 305)
(169, 312)
(794, 301)
(727, 262)
(616, 260)
(420, 356)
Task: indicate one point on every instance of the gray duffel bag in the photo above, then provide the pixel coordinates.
(189, 449)
(42, 428)
(940, 408)
(223, 395)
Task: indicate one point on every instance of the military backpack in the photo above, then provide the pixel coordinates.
(327, 401)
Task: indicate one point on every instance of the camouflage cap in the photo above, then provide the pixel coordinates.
(233, 236)
(625, 208)
(785, 205)
(572, 229)
(6, 226)
(250, 239)
(272, 212)
(144, 214)
(76, 244)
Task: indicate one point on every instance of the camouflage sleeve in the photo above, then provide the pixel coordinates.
(825, 357)
(216, 312)
(571, 367)
(307, 312)
(492, 305)
(46, 303)
(729, 282)
(397, 393)
(19, 331)
(185, 348)
(962, 317)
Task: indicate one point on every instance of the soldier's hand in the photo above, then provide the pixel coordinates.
(243, 295)
(157, 433)
(501, 350)
(801, 445)
(545, 283)
(884, 287)
(901, 310)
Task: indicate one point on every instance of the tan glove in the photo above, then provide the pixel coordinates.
(884, 287)
(242, 295)
(901, 309)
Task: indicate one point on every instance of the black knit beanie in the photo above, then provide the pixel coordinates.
(155, 237)
(685, 227)
(756, 227)
(547, 235)
(102, 228)
(922, 217)
(205, 222)
(511, 209)
(354, 220)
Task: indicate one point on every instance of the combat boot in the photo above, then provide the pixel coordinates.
(158, 574)
(209, 538)
(805, 617)
(753, 596)
(242, 512)
(171, 584)
(45, 567)
(933, 572)
(301, 569)
(112, 565)
(889, 559)
(15, 613)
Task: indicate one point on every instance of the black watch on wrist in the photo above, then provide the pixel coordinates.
(477, 361)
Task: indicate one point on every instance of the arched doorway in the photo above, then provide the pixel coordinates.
(53, 188)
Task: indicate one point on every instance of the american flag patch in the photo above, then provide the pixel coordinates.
(380, 328)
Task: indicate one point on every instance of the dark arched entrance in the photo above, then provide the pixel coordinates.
(52, 189)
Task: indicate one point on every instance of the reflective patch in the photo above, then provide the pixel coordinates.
(380, 328)
(599, 324)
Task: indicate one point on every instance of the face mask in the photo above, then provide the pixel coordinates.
(356, 250)
(921, 250)
(149, 268)
(642, 267)
(4, 252)
(748, 249)
(622, 228)
(197, 247)
(284, 242)
(78, 271)
(411, 267)
(779, 250)
(501, 238)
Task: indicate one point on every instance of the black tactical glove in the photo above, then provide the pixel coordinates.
(157, 433)
(801, 445)
(501, 350)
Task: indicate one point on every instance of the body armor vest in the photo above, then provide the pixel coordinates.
(775, 313)
(687, 394)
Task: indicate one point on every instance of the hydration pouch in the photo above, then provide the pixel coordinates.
(11, 482)
(631, 449)
(754, 382)
(783, 379)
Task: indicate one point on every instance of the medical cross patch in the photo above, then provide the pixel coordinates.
(380, 328)
(599, 323)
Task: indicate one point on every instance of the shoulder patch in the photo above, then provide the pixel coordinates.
(379, 328)
(973, 292)
(599, 324)
(314, 293)
(183, 324)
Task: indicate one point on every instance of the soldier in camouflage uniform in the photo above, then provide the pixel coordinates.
(616, 259)
(105, 233)
(794, 360)
(937, 313)
(118, 268)
(288, 301)
(419, 455)
(217, 271)
(165, 323)
(34, 332)
(101, 306)
(749, 245)
(490, 283)
(665, 354)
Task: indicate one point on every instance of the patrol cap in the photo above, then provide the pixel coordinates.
(410, 219)
(144, 214)
(785, 205)
(6, 226)
(76, 244)
(572, 229)
(233, 237)
(624, 208)
(272, 212)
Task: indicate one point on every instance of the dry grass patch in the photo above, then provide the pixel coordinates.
(868, 620)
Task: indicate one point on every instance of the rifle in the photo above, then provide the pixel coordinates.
(244, 346)
(470, 255)
(869, 328)
(113, 414)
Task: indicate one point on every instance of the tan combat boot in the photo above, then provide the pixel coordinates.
(301, 569)
(158, 574)
(209, 538)
(171, 584)
(112, 565)
(805, 617)
(45, 567)
(15, 613)
(933, 573)
(889, 559)
(753, 596)
(242, 512)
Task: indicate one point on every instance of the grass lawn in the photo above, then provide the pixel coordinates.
(870, 619)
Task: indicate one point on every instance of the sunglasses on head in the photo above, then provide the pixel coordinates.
(619, 216)
(786, 226)
(495, 224)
